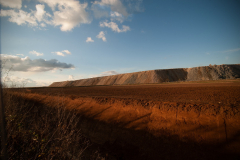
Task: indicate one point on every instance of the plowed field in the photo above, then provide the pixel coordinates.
(199, 120)
(223, 92)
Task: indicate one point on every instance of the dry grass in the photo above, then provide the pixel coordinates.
(35, 131)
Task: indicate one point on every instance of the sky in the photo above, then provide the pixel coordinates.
(44, 41)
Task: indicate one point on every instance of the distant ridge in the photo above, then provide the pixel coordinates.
(211, 72)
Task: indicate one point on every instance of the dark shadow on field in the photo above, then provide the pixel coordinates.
(139, 118)
(99, 113)
(128, 143)
(122, 143)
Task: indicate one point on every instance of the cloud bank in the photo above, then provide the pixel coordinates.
(12, 3)
(70, 13)
(20, 17)
(36, 65)
(67, 14)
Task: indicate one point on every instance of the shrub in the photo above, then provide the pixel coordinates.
(35, 131)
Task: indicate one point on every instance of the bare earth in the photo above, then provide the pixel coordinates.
(188, 120)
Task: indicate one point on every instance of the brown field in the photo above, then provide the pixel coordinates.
(183, 120)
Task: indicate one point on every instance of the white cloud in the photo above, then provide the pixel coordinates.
(101, 35)
(117, 16)
(59, 53)
(106, 73)
(114, 26)
(71, 77)
(25, 6)
(43, 25)
(36, 53)
(66, 14)
(12, 3)
(69, 14)
(89, 39)
(36, 65)
(20, 17)
(67, 51)
(31, 18)
(40, 12)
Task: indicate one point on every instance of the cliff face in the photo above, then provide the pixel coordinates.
(210, 72)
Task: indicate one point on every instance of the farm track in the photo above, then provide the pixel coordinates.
(167, 121)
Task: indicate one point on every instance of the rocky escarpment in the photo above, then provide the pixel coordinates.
(211, 72)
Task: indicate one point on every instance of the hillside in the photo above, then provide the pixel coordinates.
(211, 72)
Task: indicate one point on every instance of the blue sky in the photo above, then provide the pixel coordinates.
(43, 41)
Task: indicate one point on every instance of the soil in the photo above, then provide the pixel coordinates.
(164, 121)
(225, 92)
